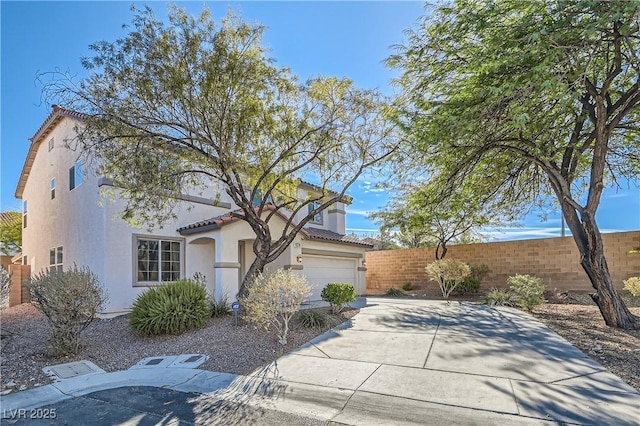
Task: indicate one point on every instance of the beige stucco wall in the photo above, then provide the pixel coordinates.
(555, 260)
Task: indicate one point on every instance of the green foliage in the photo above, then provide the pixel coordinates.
(468, 285)
(394, 292)
(70, 301)
(274, 298)
(532, 104)
(407, 286)
(171, 308)
(5, 287)
(311, 318)
(472, 283)
(448, 273)
(10, 232)
(497, 297)
(219, 307)
(529, 290)
(633, 285)
(338, 295)
(179, 104)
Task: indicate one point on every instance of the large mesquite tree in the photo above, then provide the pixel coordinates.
(173, 107)
(540, 97)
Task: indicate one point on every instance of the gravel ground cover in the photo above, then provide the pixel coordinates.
(113, 346)
(580, 323)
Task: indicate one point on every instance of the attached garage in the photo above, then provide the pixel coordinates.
(321, 270)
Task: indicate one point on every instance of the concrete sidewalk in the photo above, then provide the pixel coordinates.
(398, 361)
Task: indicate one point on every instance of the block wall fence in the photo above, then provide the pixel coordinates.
(555, 260)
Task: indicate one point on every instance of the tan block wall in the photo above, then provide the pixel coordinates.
(555, 260)
(19, 277)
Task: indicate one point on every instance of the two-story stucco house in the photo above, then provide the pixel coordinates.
(67, 219)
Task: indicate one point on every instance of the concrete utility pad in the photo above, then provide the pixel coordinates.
(71, 369)
(488, 393)
(382, 347)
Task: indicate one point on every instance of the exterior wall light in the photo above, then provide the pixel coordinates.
(364, 263)
(299, 259)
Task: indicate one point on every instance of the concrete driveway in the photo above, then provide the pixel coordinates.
(398, 361)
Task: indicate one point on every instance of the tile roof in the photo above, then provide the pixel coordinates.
(218, 222)
(325, 234)
(56, 115)
(10, 218)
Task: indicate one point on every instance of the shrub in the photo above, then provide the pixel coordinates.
(448, 273)
(497, 297)
(338, 295)
(5, 287)
(394, 292)
(220, 307)
(172, 307)
(529, 290)
(633, 285)
(407, 287)
(472, 283)
(272, 299)
(70, 301)
(311, 318)
(469, 285)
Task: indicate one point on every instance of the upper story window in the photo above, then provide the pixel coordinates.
(51, 143)
(75, 175)
(24, 213)
(317, 218)
(158, 260)
(53, 188)
(55, 259)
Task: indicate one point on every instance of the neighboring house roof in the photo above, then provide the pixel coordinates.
(218, 222)
(10, 218)
(57, 114)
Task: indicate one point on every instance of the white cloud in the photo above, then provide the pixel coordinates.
(358, 212)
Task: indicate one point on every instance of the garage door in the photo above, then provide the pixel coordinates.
(321, 270)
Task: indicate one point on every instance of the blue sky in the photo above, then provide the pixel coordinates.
(348, 39)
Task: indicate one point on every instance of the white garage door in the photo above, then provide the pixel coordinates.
(321, 271)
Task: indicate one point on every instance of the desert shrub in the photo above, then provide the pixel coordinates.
(311, 318)
(407, 287)
(70, 301)
(219, 307)
(5, 287)
(394, 292)
(448, 273)
(272, 300)
(472, 283)
(633, 285)
(529, 290)
(172, 308)
(468, 285)
(497, 297)
(338, 295)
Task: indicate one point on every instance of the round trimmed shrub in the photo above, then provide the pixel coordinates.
(528, 289)
(171, 308)
(338, 295)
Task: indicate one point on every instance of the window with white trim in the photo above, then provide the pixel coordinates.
(53, 188)
(317, 218)
(75, 175)
(158, 260)
(55, 259)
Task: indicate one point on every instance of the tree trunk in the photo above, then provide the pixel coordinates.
(256, 267)
(589, 240)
